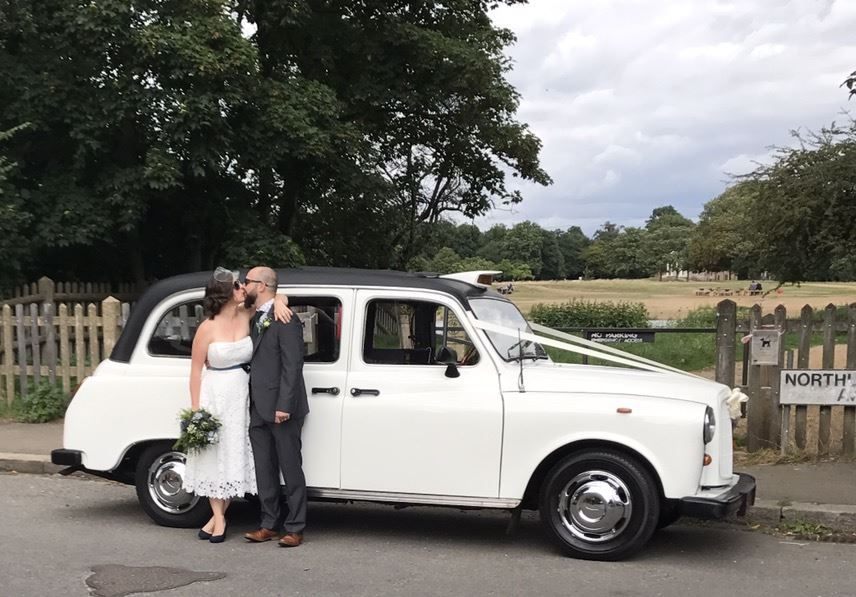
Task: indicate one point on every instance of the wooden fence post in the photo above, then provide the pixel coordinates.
(22, 349)
(92, 316)
(47, 289)
(110, 312)
(79, 342)
(828, 363)
(726, 332)
(64, 358)
(775, 420)
(35, 343)
(50, 341)
(8, 354)
(755, 435)
(785, 440)
(850, 411)
(801, 411)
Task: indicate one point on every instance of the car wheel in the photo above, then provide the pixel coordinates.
(599, 505)
(159, 479)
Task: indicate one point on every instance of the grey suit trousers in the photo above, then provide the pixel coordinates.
(276, 448)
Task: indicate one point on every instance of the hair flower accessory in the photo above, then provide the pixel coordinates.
(221, 274)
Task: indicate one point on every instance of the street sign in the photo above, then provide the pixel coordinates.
(817, 386)
(621, 337)
(765, 347)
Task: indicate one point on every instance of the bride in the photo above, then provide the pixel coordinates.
(219, 383)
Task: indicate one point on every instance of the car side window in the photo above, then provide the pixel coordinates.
(321, 317)
(173, 336)
(402, 332)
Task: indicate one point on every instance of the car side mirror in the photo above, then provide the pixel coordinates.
(447, 356)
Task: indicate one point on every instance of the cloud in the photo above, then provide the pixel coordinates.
(641, 104)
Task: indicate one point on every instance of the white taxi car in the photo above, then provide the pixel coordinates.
(431, 390)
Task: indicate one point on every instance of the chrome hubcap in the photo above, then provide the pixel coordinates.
(595, 506)
(166, 477)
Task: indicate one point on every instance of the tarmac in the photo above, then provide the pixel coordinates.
(808, 492)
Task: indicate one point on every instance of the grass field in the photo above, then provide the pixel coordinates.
(673, 300)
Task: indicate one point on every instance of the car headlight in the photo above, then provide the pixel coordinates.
(709, 425)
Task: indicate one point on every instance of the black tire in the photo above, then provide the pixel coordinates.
(158, 479)
(669, 513)
(600, 505)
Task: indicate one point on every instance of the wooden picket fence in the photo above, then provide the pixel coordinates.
(56, 341)
(818, 429)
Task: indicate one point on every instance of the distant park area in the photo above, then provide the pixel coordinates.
(674, 300)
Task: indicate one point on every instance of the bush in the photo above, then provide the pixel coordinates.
(44, 402)
(590, 314)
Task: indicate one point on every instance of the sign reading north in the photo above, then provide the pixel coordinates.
(621, 337)
(817, 386)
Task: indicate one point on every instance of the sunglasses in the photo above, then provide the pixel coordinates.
(251, 281)
(236, 284)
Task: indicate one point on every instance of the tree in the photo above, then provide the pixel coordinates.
(572, 244)
(14, 244)
(667, 233)
(726, 237)
(156, 125)
(552, 258)
(804, 217)
(424, 84)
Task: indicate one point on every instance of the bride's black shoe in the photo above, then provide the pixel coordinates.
(203, 535)
(218, 538)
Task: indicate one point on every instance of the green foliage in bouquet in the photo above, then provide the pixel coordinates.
(198, 429)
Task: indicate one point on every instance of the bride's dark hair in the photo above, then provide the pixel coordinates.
(217, 294)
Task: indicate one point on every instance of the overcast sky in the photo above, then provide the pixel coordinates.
(642, 103)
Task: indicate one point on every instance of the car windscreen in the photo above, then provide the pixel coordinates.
(506, 314)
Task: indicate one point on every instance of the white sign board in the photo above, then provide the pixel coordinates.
(765, 347)
(817, 386)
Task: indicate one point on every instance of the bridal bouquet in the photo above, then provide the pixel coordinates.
(198, 429)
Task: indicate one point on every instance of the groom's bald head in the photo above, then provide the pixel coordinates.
(265, 288)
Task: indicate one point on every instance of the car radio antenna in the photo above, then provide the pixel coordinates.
(520, 387)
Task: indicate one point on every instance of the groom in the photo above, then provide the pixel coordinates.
(278, 406)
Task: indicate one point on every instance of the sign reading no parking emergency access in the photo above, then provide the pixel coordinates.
(817, 386)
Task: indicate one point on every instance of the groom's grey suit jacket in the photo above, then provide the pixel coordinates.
(276, 372)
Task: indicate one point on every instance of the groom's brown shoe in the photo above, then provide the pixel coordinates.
(291, 540)
(261, 535)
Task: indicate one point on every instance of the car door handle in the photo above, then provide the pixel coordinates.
(361, 391)
(334, 391)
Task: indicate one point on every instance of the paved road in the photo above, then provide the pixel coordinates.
(54, 530)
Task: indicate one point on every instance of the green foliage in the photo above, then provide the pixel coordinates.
(156, 126)
(44, 402)
(586, 314)
(244, 248)
(726, 237)
(804, 217)
(447, 261)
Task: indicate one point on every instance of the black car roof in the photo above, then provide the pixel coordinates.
(299, 276)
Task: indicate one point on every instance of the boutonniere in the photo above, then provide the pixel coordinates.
(263, 323)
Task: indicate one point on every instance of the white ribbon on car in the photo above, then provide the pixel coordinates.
(585, 347)
(605, 353)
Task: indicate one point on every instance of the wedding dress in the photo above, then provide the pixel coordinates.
(225, 469)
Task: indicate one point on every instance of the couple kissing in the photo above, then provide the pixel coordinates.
(247, 370)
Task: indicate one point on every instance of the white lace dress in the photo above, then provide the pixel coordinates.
(225, 469)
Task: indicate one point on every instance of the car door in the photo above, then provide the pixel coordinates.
(406, 426)
(326, 318)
